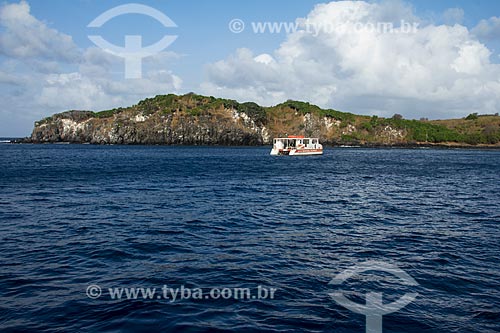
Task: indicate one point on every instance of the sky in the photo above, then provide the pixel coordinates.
(338, 54)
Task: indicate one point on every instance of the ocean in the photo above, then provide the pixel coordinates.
(230, 239)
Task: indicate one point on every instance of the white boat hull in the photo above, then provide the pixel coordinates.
(304, 152)
(296, 152)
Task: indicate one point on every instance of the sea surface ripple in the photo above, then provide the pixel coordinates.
(203, 217)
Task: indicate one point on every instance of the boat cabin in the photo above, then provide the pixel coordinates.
(296, 145)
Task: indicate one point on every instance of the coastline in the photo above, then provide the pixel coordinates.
(342, 145)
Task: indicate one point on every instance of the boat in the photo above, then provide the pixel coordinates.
(295, 145)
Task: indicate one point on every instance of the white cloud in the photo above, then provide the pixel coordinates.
(488, 29)
(438, 71)
(472, 59)
(27, 37)
(96, 85)
(264, 58)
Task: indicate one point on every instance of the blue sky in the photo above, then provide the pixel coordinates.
(448, 68)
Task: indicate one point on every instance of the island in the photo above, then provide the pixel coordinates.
(193, 119)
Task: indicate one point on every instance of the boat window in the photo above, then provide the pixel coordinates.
(306, 141)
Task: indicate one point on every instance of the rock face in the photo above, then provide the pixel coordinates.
(149, 123)
(123, 128)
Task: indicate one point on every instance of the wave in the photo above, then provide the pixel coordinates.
(7, 139)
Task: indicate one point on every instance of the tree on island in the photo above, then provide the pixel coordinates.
(472, 116)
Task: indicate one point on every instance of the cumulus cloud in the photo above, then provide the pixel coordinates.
(488, 29)
(27, 37)
(98, 83)
(74, 91)
(435, 71)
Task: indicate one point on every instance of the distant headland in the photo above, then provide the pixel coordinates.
(193, 119)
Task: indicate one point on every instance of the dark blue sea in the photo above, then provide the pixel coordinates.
(78, 223)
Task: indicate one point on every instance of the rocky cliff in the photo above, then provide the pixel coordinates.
(200, 120)
(189, 120)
